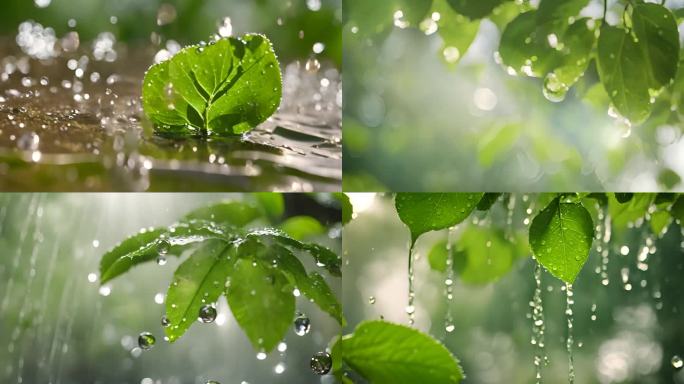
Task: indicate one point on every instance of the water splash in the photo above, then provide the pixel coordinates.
(449, 281)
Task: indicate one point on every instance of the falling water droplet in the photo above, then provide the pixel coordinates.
(213, 382)
(677, 362)
(146, 340)
(371, 300)
(321, 362)
(538, 326)
(207, 314)
(261, 356)
(570, 301)
(410, 309)
(165, 322)
(302, 325)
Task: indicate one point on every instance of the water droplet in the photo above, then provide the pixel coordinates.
(312, 65)
(371, 300)
(165, 322)
(166, 14)
(302, 325)
(677, 362)
(213, 382)
(321, 362)
(554, 90)
(261, 356)
(279, 368)
(225, 27)
(207, 314)
(146, 340)
(451, 54)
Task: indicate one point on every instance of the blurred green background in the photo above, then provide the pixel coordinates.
(195, 20)
(633, 339)
(413, 122)
(56, 326)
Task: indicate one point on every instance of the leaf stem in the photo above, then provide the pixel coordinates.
(605, 10)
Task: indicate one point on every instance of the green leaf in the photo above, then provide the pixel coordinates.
(271, 203)
(457, 32)
(438, 255)
(234, 213)
(578, 42)
(382, 353)
(624, 213)
(475, 9)
(655, 28)
(496, 142)
(226, 88)
(559, 11)
(482, 255)
(134, 250)
(623, 197)
(633, 68)
(425, 212)
(199, 281)
(487, 201)
(261, 299)
(524, 46)
(347, 208)
(677, 210)
(415, 11)
(561, 237)
(659, 221)
(370, 17)
(324, 257)
(302, 227)
(311, 285)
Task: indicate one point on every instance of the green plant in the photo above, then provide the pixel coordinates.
(636, 60)
(226, 87)
(229, 253)
(558, 230)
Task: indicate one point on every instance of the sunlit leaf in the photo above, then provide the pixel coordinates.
(475, 9)
(136, 249)
(227, 87)
(561, 237)
(302, 227)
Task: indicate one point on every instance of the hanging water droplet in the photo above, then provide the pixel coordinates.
(163, 248)
(165, 322)
(302, 325)
(554, 90)
(321, 362)
(677, 362)
(371, 300)
(225, 27)
(146, 340)
(207, 314)
(261, 356)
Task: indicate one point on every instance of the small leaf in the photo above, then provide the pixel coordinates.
(677, 209)
(234, 213)
(261, 300)
(624, 213)
(487, 201)
(457, 32)
(415, 11)
(438, 255)
(659, 221)
(302, 227)
(134, 250)
(198, 281)
(554, 11)
(347, 208)
(311, 285)
(324, 257)
(475, 9)
(271, 203)
(561, 237)
(425, 212)
(389, 353)
(227, 87)
(482, 255)
(524, 39)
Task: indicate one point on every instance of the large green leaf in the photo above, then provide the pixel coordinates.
(559, 11)
(475, 9)
(134, 250)
(199, 281)
(456, 30)
(234, 213)
(383, 353)
(261, 299)
(561, 237)
(578, 42)
(227, 87)
(312, 285)
(425, 212)
(633, 66)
